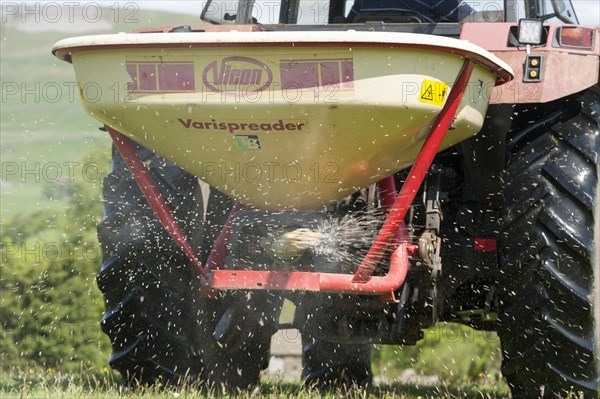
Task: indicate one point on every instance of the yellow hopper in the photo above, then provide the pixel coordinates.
(286, 120)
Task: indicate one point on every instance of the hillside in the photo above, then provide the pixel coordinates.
(43, 128)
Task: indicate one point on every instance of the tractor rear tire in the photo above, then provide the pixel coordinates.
(159, 325)
(244, 323)
(147, 282)
(549, 296)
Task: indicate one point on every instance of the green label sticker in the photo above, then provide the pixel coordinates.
(246, 142)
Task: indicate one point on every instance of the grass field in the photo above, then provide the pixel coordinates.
(41, 119)
(96, 385)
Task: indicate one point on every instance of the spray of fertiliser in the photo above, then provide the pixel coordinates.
(345, 239)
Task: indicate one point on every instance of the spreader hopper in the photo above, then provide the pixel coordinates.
(286, 120)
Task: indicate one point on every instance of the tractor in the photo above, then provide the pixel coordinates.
(382, 165)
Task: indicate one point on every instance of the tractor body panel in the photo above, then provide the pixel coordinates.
(568, 60)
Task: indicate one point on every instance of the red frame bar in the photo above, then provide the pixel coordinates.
(324, 282)
(362, 281)
(154, 197)
(415, 177)
(219, 250)
(387, 189)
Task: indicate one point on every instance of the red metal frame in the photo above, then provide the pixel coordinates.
(388, 194)
(325, 282)
(219, 250)
(362, 282)
(156, 200)
(415, 177)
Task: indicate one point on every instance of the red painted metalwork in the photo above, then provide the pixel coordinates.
(157, 202)
(558, 63)
(485, 244)
(388, 192)
(323, 282)
(219, 249)
(415, 177)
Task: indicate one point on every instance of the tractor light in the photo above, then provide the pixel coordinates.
(530, 31)
(574, 36)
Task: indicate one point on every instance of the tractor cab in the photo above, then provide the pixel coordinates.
(322, 12)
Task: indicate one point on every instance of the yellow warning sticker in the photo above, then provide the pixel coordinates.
(433, 92)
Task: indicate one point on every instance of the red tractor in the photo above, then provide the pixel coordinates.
(346, 152)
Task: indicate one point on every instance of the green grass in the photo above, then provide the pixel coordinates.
(31, 383)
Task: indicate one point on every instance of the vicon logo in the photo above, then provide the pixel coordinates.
(236, 74)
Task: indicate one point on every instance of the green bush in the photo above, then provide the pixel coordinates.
(49, 302)
(448, 350)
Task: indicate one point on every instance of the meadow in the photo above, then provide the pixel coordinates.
(44, 129)
(103, 384)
